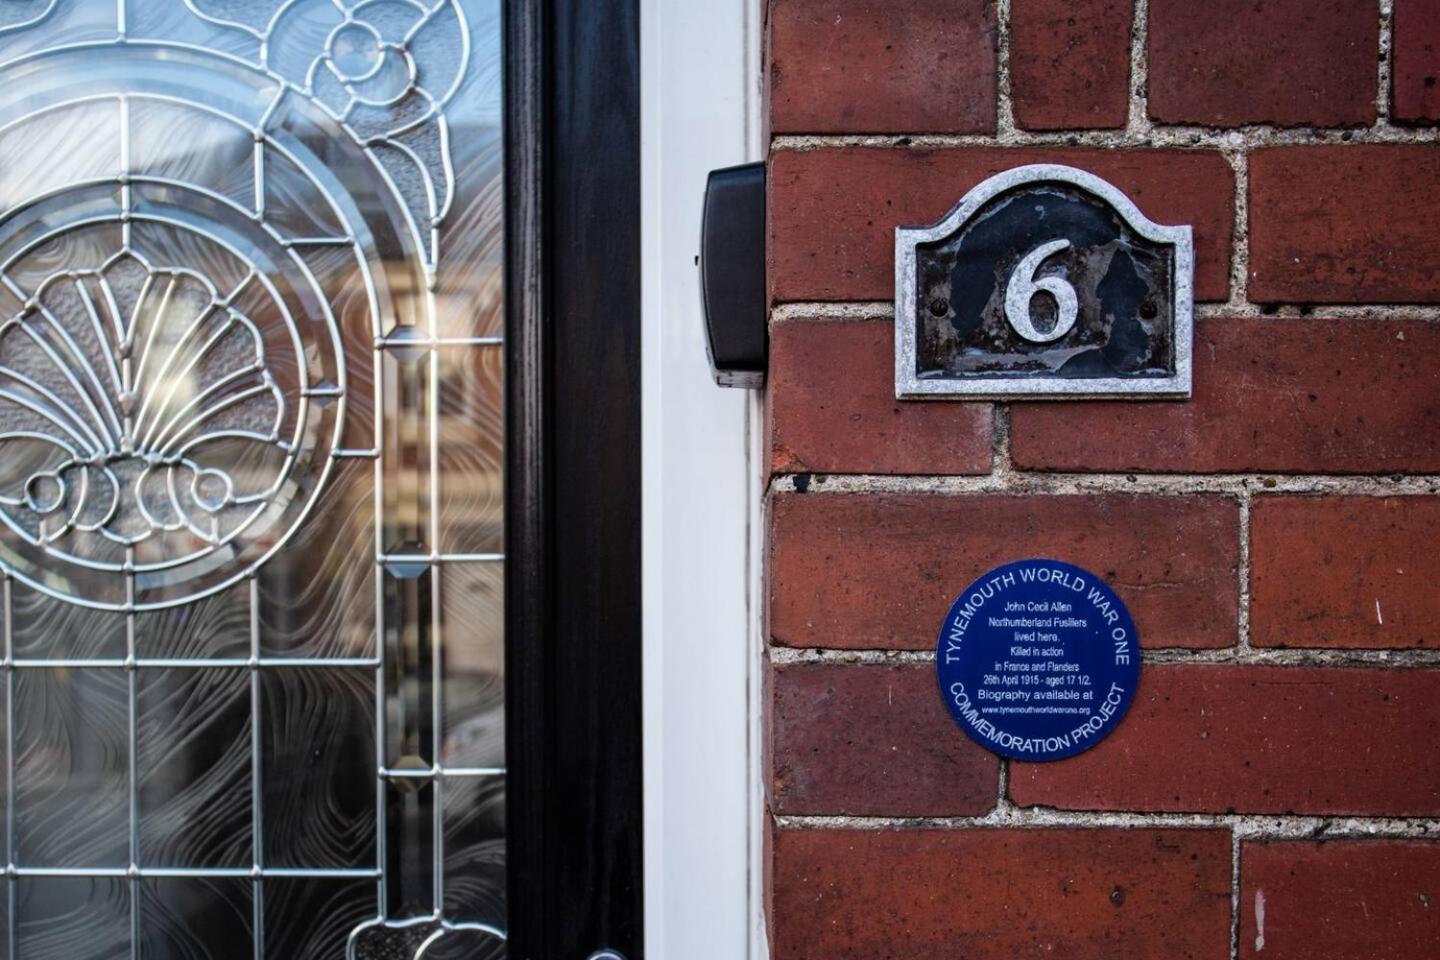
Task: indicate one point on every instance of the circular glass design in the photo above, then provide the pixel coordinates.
(170, 394)
(355, 51)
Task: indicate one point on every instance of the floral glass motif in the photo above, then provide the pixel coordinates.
(250, 479)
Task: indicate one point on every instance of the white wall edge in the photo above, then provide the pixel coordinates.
(701, 495)
(758, 449)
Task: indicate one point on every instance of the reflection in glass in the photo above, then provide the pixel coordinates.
(72, 918)
(472, 606)
(210, 917)
(317, 767)
(70, 757)
(471, 455)
(251, 491)
(193, 766)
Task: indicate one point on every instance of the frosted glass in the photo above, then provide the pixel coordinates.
(251, 491)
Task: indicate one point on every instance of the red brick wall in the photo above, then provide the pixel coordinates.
(1275, 788)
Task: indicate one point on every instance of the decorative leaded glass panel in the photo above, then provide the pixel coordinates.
(250, 479)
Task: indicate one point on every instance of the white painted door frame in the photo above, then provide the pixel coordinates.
(700, 81)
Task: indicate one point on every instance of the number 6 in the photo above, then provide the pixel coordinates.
(1023, 286)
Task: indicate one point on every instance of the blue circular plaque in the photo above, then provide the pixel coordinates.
(1038, 660)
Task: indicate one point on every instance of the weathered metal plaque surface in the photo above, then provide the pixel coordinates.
(1045, 281)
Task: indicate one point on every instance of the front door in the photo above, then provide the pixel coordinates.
(317, 480)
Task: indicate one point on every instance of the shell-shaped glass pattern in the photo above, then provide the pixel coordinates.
(147, 421)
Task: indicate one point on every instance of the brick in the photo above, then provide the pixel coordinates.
(1291, 63)
(833, 408)
(863, 740)
(1415, 77)
(876, 66)
(1259, 739)
(1070, 63)
(1345, 224)
(1340, 899)
(1354, 572)
(1303, 395)
(833, 212)
(865, 571)
(998, 895)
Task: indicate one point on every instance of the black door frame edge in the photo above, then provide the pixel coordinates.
(573, 577)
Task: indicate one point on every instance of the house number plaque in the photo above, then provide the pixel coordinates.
(1044, 282)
